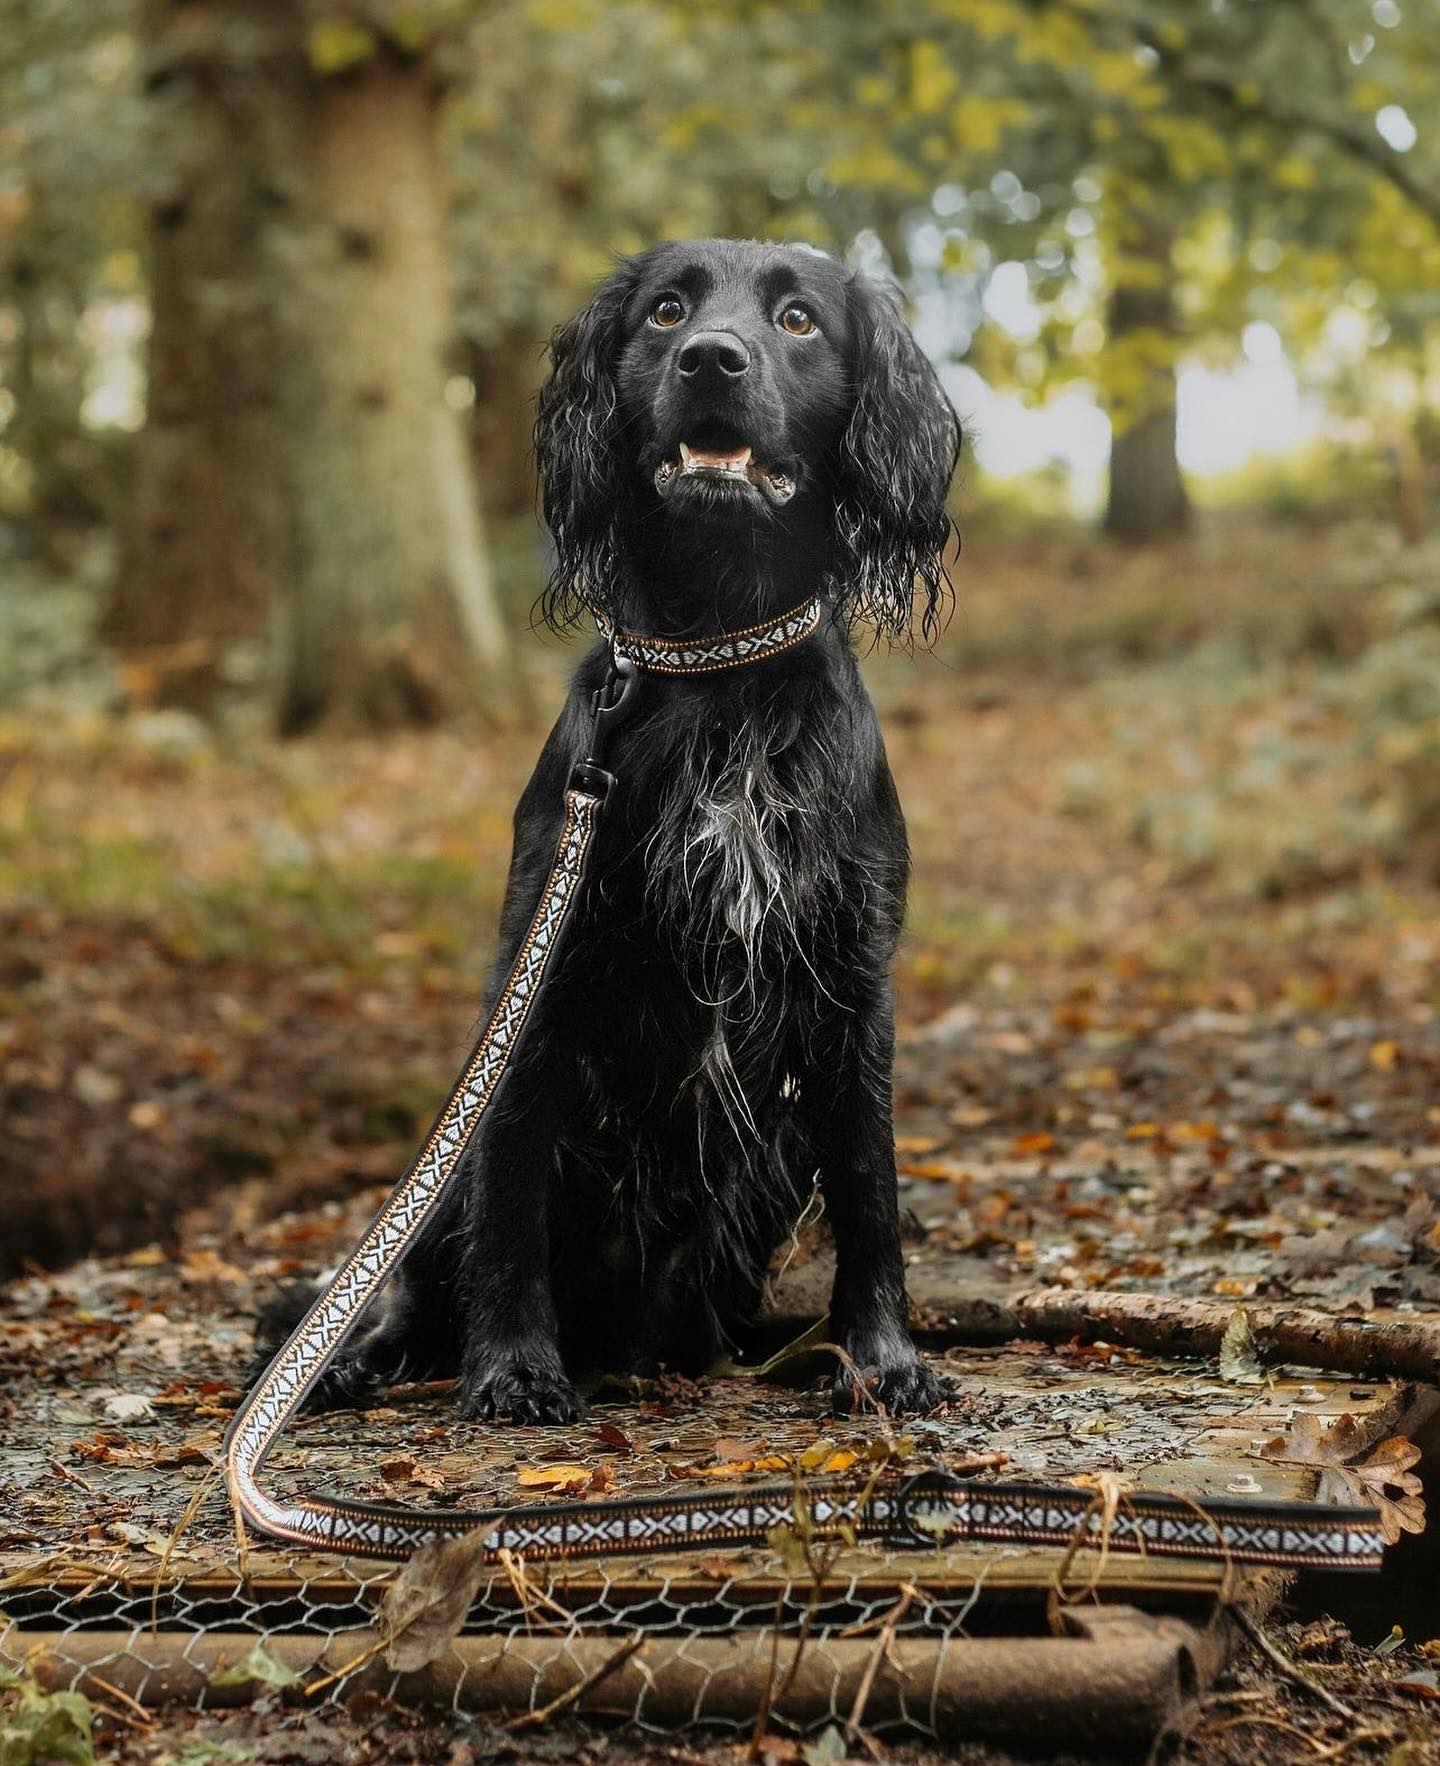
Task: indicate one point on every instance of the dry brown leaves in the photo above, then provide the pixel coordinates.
(1382, 1480)
(426, 1604)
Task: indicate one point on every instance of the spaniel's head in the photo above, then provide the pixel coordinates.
(743, 386)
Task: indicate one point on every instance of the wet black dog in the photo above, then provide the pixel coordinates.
(728, 429)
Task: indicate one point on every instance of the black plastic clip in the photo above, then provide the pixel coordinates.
(610, 704)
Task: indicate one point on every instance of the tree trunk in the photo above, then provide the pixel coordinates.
(1147, 494)
(301, 473)
(202, 553)
(389, 609)
(507, 374)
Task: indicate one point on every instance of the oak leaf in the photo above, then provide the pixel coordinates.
(1382, 1480)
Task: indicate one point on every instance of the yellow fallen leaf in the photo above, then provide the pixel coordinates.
(1384, 1056)
(559, 1477)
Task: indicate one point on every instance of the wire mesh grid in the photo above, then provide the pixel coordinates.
(119, 1564)
(662, 1644)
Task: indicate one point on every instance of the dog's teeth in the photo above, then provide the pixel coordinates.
(734, 464)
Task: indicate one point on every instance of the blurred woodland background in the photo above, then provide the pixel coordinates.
(275, 281)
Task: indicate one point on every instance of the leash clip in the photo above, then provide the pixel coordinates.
(934, 1490)
(610, 704)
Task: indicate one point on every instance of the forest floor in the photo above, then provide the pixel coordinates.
(1169, 1000)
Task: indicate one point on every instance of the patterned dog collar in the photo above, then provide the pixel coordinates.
(703, 656)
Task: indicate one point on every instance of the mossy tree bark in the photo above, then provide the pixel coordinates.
(302, 475)
(507, 375)
(1147, 498)
(201, 555)
(389, 611)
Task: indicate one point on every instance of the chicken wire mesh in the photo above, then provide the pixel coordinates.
(709, 1640)
(119, 1564)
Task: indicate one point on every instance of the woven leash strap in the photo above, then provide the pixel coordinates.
(928, 1510)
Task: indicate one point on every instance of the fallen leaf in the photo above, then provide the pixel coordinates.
(1239, 1354)
(128, 1407)
(1424, 1683)
(728, 1447)
(558, 1477)
(426, 1604)
(730, 1468)
(1382, 1480)
(401, 1469)
(259, 1665)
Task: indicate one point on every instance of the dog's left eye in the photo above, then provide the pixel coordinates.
(666, 312)
(797, 321)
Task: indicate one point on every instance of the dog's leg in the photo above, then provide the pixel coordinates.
(511, 1366)
(851, 1131)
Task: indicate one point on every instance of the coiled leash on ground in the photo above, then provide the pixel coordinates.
(927, 1510)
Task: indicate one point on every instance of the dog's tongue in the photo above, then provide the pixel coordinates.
(736, 460)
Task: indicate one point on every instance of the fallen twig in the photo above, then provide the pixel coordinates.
(853, 1731)
(1287, 1669)
(1385, 1348)
(573, 1694)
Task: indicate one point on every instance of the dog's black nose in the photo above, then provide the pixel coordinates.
(714, 356)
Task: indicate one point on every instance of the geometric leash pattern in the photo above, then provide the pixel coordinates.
(316, 1340)
(698, 656)
(923, 1511)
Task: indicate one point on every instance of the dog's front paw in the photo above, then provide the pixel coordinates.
(896, 1381)
(519, 1391)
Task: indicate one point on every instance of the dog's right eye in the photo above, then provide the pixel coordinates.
(666, 312)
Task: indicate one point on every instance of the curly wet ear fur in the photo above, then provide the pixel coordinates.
(583, 486)
(897, 457)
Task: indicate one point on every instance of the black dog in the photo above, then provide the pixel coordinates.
(728, 429)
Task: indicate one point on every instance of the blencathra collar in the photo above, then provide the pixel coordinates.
(703, 656)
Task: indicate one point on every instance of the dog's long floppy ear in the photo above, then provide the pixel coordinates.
(897, 457)
(582, 485)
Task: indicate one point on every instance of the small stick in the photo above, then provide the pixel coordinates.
(368, 1654)
(146, 1720)
(1268, 1723)
(210, 1482)
(572, 1695)
(1286, 1668)
(74, 1477)
(118, 1716)
(853, 1731)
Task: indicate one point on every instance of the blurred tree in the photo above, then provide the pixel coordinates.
(1147, 498)
(390, 606)
(1002, 112)
(304, 460)
(204, 546)
(66, 225)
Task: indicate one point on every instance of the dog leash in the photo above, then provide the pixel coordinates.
(924, 1510)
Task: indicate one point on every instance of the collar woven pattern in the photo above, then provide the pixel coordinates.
(703, 656)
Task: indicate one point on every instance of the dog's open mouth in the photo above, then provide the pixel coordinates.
(732, 465)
